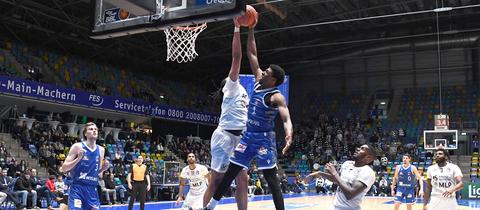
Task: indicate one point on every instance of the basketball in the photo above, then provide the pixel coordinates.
(123, 14)
(249, 18)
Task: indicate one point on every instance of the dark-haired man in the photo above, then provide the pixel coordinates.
(354, 179)
(259, 140)
(443, 180)
(233, 120)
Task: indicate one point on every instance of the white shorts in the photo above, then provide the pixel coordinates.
(222, 145)
(437, 203)
(193, 201)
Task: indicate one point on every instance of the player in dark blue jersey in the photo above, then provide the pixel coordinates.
(404, 182)
(258, 141)
(85, 162)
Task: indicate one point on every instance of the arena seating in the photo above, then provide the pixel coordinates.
(75, 72)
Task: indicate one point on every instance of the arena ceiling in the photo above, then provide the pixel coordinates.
(296, 34)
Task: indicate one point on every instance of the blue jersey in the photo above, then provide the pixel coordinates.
(406, 178)
(86, 171)
(261, 117)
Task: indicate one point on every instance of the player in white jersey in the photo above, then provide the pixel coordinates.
(443, 180)
(354, 181)
(233, 121)
(198, 177)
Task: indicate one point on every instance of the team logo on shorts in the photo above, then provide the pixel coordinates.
(262, 151)
(241, 148)
(77, 203)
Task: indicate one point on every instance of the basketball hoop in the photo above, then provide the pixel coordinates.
(181, 42)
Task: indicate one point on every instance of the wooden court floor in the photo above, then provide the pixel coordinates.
(299, 202)
(325, 203)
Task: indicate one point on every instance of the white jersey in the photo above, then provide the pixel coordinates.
(443, 178)
(196, 178)
(234, 106)
(350, 173)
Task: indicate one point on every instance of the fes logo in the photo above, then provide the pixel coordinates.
(96, 100)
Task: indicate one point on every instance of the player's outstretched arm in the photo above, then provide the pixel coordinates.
(318, 174)
(236, 53)
(252, 54)
(74, 156)
(350, 190)
(394, 180)
(279, 100)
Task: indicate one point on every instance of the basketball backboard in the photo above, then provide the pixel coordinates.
(447, 139)
(114, 18)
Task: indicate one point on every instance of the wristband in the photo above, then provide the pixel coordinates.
(237, 29)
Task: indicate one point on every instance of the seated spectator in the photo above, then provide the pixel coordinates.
(60, 186)
(259, 189)
(118, 157)
(42, 189)
(319, 185)
(110, 183)
(23, 187)
(5, 185)
(160, 147)
(299, 184)
(107, 191)
(284, 183)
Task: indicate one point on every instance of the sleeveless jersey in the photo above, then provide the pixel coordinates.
(234, 106)
(86, 171)
(261, 117)
(196, 178)
(406, 178)
(443, 178)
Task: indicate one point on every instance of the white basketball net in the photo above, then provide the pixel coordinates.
(181, 42)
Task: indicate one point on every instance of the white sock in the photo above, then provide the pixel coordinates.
(212, 204)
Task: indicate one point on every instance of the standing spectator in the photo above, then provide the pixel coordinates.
(475, 144)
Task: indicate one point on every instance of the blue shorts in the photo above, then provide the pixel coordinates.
(405, 195)
(260, 145)
(83, 197)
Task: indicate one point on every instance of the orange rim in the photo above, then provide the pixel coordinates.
(192, 28)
